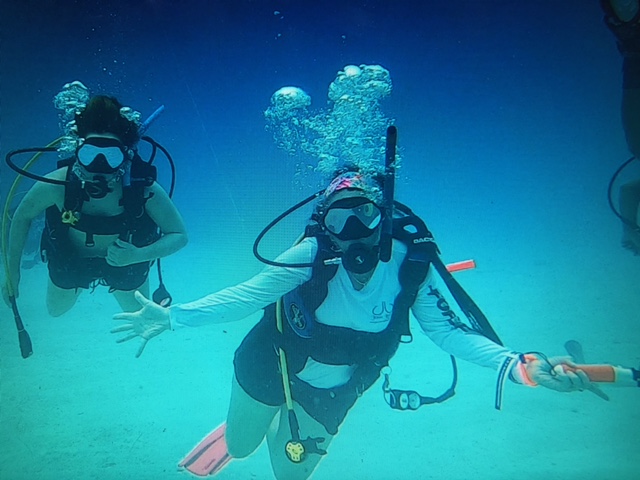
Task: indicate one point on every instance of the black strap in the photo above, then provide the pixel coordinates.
(422, 251)
(316, 289)
(478, 319)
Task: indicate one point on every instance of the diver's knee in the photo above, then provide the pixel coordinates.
(60, 301)
(239, 447)
(56, 310)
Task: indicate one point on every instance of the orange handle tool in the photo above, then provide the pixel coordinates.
(459, 266)
(596, 373)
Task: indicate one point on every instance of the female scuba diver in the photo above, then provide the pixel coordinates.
(335, 311)
(106, 217)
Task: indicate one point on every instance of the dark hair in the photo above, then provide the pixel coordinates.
(102, 115)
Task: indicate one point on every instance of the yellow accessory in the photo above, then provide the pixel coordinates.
(294, 451)
(26, 348)
(69, 217)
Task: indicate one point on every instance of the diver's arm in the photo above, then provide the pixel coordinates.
(174, 233)
(36, 200)
(239, 301)
(439, 318)
(451, 335)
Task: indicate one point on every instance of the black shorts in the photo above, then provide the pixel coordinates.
(69, 273)
(257, 369)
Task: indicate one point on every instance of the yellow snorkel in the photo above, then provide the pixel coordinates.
(26, 348)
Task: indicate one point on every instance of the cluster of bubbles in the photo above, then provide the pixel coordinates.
(72, 100)
(351, 130)
(131, 115)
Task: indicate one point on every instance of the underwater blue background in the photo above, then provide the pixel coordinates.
(509, 128)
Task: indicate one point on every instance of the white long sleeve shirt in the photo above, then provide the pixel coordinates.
(367, 310)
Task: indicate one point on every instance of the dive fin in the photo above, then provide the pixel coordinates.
(209, 456)
(574, 349)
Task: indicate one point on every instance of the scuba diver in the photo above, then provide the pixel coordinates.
(622, 17)
(336, 307)
(106, 218)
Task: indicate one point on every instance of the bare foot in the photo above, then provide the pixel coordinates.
(631, 241)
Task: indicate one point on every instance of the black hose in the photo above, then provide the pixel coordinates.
(28, 174)
(626, 221)
(273, 223)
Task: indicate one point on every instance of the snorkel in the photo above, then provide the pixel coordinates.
(152, 118)
(388, 194)
(126, 177)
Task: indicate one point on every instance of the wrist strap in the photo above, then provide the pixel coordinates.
(503, 372)
(522, 369)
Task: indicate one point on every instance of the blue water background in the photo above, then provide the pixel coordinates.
(509, 127)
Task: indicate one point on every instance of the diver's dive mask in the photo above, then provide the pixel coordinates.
(355, 218)
(352, 218)
(101, 155)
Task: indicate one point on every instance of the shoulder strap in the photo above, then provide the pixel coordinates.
(140, 176)
(422, 251)
(315, 290)
(74, 195)
(301, 303)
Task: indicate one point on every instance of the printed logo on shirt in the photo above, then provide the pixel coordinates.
(382, 312)
(444, 307)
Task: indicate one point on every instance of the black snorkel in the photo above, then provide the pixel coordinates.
(388, 194)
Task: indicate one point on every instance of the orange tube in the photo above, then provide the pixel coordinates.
(596, 373)
(459, 266)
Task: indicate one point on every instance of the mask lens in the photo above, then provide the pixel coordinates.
(102, 150)
(366, 212)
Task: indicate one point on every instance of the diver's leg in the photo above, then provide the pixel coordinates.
(630, 192)
(631, 106)
(248, 421)
(127, 300)
(625, 10)
(60, 300)
(629, 201)
(283, 468)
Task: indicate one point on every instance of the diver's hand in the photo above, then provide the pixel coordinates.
(146, 323)
(551, 374)
(121, 254)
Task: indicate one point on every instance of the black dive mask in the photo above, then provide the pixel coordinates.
(352, 218)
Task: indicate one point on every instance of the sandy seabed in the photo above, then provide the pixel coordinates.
(82, 407)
